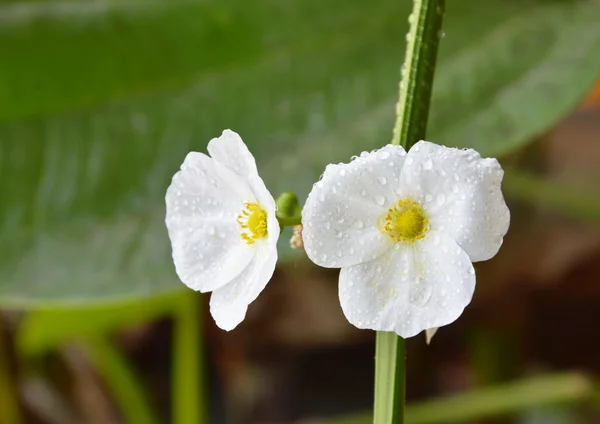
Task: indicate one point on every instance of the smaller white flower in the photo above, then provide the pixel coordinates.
(404, 229)
(223, 228)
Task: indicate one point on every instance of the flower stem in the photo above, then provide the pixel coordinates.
(289, 221)
(412, 111)
(418, 69)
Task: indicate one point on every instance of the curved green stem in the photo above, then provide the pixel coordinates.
(289, 221)
(122, 380)
(411, 122)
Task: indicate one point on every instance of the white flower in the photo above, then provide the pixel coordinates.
(223, 229)
(404, 229)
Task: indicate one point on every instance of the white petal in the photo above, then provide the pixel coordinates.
(203, 202)
(341, 214)
(461, 194)
(409, 289)
(230, 150)
(228, 304)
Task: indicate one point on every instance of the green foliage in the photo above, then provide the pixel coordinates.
(494, 401)
(99, 105)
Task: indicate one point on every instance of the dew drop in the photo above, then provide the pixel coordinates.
(428, 197)
(380, 200)
(383, 154)
(440, 199)
(342, 172)
(324, 257)
(428, 164)
(409, 160)
(358, 224)
(382, 180)
(455, 189)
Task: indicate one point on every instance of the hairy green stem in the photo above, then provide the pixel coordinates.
(418, 70)
(412, 111)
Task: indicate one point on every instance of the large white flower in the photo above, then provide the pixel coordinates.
(223, 228)
(404, 229)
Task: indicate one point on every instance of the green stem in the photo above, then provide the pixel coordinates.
(411, 122)
(122, 381)
(418, 69)
(289, 221)
(189, 398)
(390, 353)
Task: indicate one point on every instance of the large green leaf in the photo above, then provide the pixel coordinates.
(99, 105)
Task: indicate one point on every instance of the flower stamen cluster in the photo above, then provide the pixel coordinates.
(406, 221)
(253, 221)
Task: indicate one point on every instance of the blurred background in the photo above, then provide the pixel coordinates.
(100, 100)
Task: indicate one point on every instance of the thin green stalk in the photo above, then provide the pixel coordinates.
(189, 398)
(122, 381)
(289, 221)
(411, 122)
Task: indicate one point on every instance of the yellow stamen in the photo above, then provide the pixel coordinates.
(405, 221)
(253, 222)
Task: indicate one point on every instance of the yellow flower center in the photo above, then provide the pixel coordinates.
(405, 221)
(253, 221)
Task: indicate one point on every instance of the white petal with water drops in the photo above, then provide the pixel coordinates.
(340, 223)
(406, 234)
(408, 289)
(205, 202)
(468, 204)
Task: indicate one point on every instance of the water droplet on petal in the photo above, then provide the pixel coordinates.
(409, 160)
(428, 164)
(358, 224)
(380, 200)
(383, 154)
(324, 257)
(440, 199)
(382, 180)
(342, 172)
(428, 197)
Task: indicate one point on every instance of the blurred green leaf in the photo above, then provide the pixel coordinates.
(493, 401)
(48, 328)
(100, 102)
